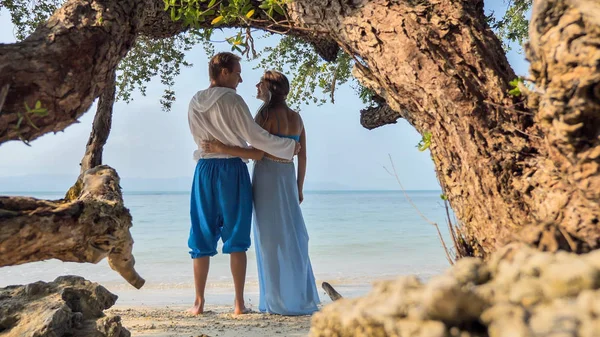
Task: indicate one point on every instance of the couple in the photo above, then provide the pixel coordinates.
(222, 195)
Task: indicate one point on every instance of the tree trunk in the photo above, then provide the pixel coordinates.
(87, 229)
(443, 69)
(100, 127)
(505, 164)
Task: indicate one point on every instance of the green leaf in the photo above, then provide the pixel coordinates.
(38, 105)
(443, 197)
(19, 121)
(279, 10)
(515, 91)
(425, 142)
(211, 3)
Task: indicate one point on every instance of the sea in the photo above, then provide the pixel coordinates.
(356, 238)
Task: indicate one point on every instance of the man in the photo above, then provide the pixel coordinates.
(221, 199)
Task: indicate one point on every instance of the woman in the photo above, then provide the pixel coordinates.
(285, 276)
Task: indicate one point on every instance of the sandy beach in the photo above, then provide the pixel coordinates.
(217, 322)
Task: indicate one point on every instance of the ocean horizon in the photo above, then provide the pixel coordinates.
(356, 238)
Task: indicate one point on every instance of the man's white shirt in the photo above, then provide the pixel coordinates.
(220, 113)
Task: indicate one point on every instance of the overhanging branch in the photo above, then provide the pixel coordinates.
(87, 229)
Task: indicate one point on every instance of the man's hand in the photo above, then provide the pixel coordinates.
(297, 149)
(213, 146)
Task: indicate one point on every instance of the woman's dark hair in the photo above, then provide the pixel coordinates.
(279, 87)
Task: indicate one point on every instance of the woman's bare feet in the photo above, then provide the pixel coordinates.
(198, 307)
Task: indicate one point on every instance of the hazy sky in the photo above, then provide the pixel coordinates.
(146, 142)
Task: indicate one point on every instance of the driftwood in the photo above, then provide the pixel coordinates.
(89, 225)
(69, 306)
(332, 293)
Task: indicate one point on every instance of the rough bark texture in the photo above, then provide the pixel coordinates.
(376, 116)
(88, 228)
(518, 292)
(100, 127)
(68, 307)
(43, 67)
(565, 53)
(504, 166)
(443, 69)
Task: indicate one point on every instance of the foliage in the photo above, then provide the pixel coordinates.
(37, 110)
(309, 70)
(514, 25)
(152, 57)
(313, 82)
(514, 84)
(425, 142)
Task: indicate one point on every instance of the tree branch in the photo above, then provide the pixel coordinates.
(100, 127)
(87, 229)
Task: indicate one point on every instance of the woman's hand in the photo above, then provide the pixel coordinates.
(213, 146)
(300, 196)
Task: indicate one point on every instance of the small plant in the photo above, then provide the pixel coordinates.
(38, 110)
(425, 142)
(514, 84)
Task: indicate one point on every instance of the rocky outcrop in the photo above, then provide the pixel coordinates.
(70, 306)
(518, 292)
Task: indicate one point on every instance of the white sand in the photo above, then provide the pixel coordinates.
(217, 321)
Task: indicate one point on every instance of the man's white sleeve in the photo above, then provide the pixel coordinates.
(258, 137)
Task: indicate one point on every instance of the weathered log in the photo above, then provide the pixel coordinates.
(518, 292)
(331, 292)
(68, 307)
(88, 228)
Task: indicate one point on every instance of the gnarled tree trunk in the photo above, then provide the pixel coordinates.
(88, 228)
(444, 70)
(505, 164)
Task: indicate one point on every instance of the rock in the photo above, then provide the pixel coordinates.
(519, 292)
(70, 306)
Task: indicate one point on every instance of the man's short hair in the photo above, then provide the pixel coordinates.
(220, 61)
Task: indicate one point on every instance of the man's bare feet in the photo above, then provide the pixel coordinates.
(198, 307)
(240, 309)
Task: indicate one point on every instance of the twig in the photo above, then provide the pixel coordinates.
(250, 43)
(333, 84)
(459, 249)
(3, 94)
(395, 174)
(567, 236)
(509, 107)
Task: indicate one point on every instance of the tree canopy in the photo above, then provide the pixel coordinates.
(314, 80)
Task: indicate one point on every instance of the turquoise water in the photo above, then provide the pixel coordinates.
(355, 238)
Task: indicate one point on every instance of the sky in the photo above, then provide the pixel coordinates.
(147, 144)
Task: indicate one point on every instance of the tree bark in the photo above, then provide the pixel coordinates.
(506, 164)
(87, 229)
(100, 127)
(43, 67)
(443, 69)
